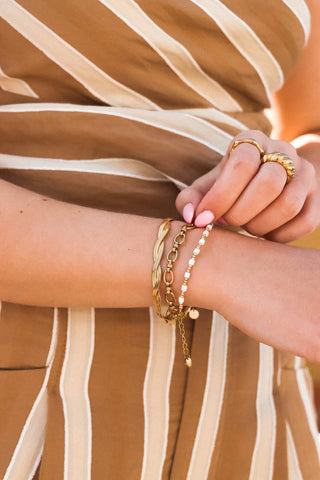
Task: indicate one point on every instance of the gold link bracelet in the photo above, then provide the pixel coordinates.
(168, 276)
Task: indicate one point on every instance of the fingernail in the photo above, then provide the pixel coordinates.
(188, 212)
(204, 218)
(222, 221)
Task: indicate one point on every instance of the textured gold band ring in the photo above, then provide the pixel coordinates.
(252, 141)
(283, 160)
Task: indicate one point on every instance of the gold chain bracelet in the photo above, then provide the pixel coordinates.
(168, 276)
(174, 314)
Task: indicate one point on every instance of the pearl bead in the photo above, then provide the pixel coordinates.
(191, 261)
(184, 288)
(196, 251)
(181, 300)
(187, 275)
(202, 241)
(205, 233)
(209, 227)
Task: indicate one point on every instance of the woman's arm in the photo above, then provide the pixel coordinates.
(55, 253)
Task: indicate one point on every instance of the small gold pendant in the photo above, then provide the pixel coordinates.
(194, 313)
(188, 362)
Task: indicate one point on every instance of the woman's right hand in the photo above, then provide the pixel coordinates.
(254, 195)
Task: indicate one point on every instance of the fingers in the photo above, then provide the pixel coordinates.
(303, 224)
(254, 195)
(240, 168)
(188, 199)
(287, 205)
(264, 188)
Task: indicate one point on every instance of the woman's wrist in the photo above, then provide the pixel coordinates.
(202, 279)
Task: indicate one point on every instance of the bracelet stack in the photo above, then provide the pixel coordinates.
(176, 311)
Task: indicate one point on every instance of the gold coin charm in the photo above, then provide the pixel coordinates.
(194, 313)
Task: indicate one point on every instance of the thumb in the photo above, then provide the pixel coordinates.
(189, 198)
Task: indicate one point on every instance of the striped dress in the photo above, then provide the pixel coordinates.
(118, 105)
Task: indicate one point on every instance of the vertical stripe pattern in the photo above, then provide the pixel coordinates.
(29, 448)
(156, 396)
(74, 393)
(263, 455)
(212, 401)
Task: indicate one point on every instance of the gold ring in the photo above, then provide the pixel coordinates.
(284, 160)
(252, 141)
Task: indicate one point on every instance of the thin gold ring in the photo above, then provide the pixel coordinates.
(283, 160)
(252, 141)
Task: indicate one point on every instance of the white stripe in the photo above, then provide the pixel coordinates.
(247, 43)
(175, 122)
(177, 57)
(215, 116)
(156, 396)
(27, 454)
(301, 11)
(77, 65)
(294, 471)
(124, 167)
(263, 455)
(212, 400)
(74, 393)
(36, 464)
(308, 406)
(15, 85)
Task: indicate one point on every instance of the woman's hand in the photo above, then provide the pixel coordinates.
(254, 195)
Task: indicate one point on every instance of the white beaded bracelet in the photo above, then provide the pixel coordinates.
(193, 313)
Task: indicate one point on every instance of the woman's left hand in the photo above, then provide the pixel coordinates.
(256, 196)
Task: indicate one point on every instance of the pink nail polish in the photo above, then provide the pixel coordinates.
(204, 218)
(188, 212)
(222, 221)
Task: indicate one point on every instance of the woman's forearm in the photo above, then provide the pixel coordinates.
(58, 254)
(55, 253)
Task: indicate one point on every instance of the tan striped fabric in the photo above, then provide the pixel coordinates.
(119, 104)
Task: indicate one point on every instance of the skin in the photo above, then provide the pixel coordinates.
(68, 256)
(256, 196)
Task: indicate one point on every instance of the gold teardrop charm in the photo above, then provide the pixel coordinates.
(188, 362)
(194, 313)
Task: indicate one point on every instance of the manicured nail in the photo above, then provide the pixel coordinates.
(188, 212)
(222, 221)
(204, 218)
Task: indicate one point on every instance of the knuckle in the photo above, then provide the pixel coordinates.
(291, 205)
(287, 148)
(254, 133)
(272, 182)
(242, 162)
